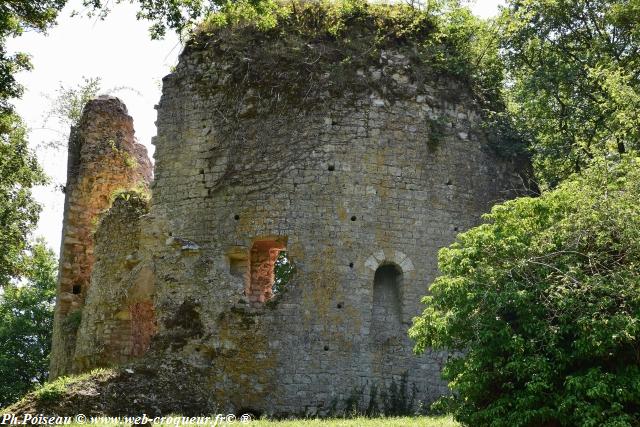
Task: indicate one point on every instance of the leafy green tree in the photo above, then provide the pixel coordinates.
(574, 79)
(540, 307)
(26, 322)
(469, 47)
(19, 172)
(16, 16)
(177, 15)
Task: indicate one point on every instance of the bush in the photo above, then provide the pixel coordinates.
(26, 322)
(542, 305)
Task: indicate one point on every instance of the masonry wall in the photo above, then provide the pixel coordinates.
(103, 158)
(118, 318)
(361, 187)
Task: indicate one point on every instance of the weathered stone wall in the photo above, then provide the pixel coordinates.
(360, 163)
(103, 157)
(361, 187)
(118, 319)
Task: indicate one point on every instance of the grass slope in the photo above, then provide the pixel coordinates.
(362, 422)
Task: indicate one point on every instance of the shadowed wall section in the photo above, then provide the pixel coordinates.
(387, 330)
(103, 157)
(118, 318)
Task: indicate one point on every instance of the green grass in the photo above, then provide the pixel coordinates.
(55, 389)
(362, 422)
(335, 422)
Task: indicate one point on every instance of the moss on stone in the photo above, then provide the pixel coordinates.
(305, 54)
(72, 322)
(57, 388)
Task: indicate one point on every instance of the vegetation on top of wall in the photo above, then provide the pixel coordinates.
(334, 18)
(137, 197)
(355, 32)
(277, 57)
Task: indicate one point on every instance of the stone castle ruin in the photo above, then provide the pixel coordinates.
(273, 154)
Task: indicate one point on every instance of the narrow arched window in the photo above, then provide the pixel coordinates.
(386, 312)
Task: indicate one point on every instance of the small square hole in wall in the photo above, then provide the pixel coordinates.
(77, 289)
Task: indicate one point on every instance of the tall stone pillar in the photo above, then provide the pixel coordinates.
(103, 158)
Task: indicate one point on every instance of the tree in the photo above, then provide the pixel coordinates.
(540, 307)
(15, 17)
(26, 322)
(68, 103)
(19, 172)
(574, 70)
(177, 15)
(66, 108)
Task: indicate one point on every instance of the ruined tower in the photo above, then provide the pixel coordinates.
(352, 159)
(103, 158)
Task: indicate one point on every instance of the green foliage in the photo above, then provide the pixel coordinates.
(56, 389)
(443, 39)
(67, 105)
(320, 19)
(138, 195)
(543, 304)
(19, 171)
(127, 158)
(26, 321)
(16, 17)
(283, 271)
(449, 37)
(177, 15)
(574, 67)
(72, 322)
(396, 399)
(467, 47)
